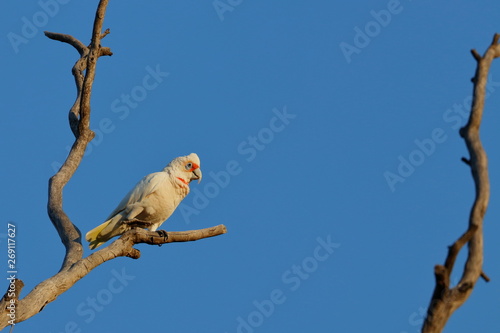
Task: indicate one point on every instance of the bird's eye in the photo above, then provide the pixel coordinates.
(189, 166)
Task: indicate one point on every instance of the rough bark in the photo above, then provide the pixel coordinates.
(48, 290)
(446, 299)
(74, 266)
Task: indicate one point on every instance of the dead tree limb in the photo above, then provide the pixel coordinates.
(48, 290)
(80, 125)
(446, 299)
(74, 266)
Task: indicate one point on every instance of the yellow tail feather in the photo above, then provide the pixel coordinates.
(93, 236)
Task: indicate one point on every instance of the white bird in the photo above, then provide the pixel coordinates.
(151, 201)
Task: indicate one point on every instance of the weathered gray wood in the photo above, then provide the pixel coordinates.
(446, 299)
(74, 266)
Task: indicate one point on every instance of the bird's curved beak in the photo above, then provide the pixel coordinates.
(196, 175)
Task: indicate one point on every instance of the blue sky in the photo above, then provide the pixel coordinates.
(302, 115)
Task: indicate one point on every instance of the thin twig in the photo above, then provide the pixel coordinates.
(79, 46)
(485, 277)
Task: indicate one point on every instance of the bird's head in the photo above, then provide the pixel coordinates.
(185, 168)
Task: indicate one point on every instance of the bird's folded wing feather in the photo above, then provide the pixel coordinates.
(144, 187)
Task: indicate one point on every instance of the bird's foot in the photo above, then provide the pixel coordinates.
(164, 234)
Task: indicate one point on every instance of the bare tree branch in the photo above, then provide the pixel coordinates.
(50, 289)
(446, 300)
(74, 266)
(79, 46)
(78, 72)
(10, 301)
(124, 245)
(70, 235)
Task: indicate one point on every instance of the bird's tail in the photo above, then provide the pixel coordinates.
(94, 236)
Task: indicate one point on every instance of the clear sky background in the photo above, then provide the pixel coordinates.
(310, 105)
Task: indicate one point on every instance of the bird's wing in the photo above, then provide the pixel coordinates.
(147, 185)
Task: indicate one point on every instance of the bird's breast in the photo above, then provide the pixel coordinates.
(163, 202)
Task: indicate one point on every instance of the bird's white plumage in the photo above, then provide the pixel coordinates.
(141, 190)
(153, 199)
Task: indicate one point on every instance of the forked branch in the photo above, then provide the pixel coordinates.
(74, 266)
(48, 290)
(80, 124)
(446, 299)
